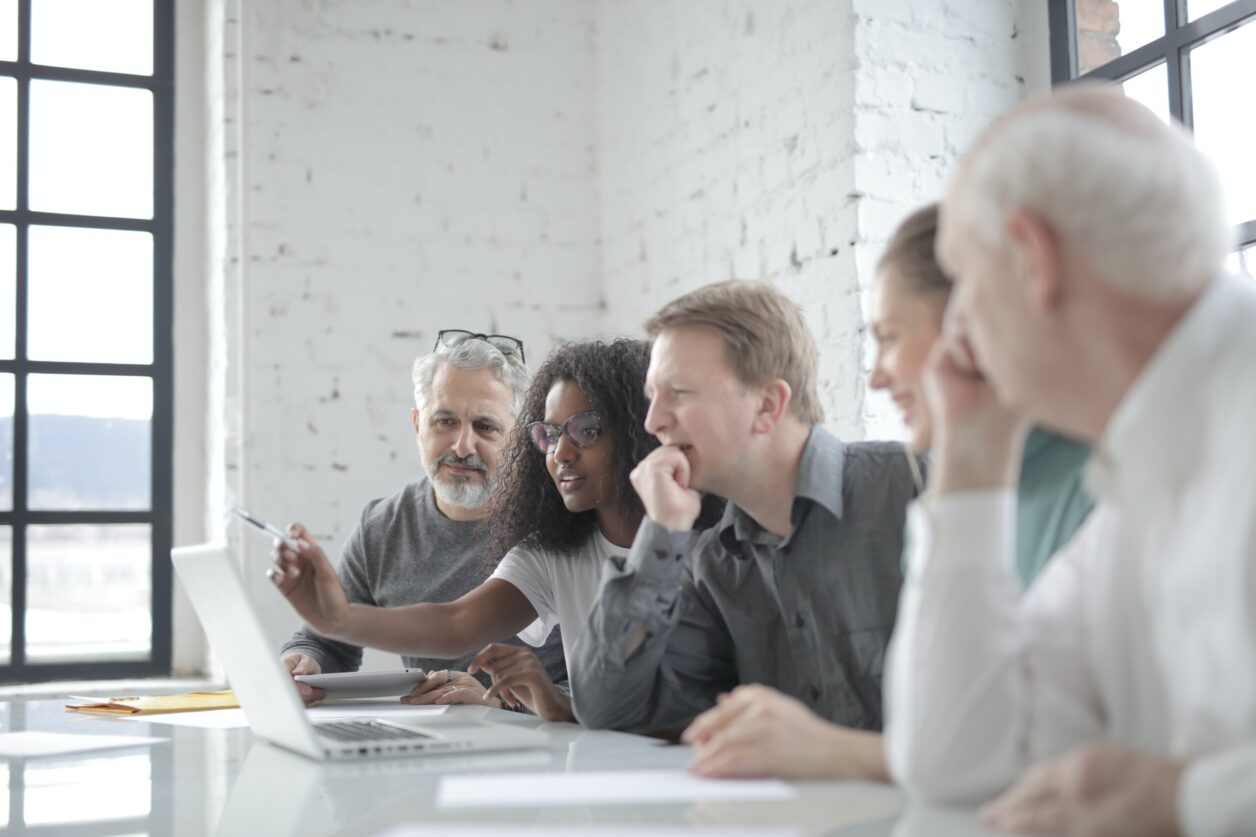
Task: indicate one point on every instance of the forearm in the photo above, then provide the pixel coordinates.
(955, 690)
(856, 754)
(443, 631)
(650, 658)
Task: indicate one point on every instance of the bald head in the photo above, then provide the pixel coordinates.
(1129, 196)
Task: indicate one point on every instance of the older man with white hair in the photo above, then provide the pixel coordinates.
(1087, 241)
(427, 542)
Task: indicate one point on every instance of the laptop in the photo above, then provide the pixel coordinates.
(265, 692)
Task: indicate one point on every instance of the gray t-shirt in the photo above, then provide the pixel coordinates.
(404, 551)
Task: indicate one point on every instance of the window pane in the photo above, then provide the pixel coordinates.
(87, 791)
(88, 592)
(1244, 262)
(89, 441)
(91, 149)
(91, 295)
(116, 36)
(1150, 88)
(6, 442)
(1199, 8)
(8, 142)
(1225, 117)
(8, 289)
(1106, 30)
(8, 30)
(6, 590)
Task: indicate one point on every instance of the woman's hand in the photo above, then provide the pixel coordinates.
(444, 688)
(519, 678)
(309, 583)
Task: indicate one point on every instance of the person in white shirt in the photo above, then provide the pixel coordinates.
(563, 512)
(1087, 241)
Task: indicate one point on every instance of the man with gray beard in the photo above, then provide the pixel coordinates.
(426, 542)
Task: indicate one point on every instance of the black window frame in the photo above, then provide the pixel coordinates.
(160, 512)
(1171, 49)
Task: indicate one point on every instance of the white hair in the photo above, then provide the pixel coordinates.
(1133, 197)
(471, 355)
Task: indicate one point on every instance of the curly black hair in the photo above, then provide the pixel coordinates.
(526, 505)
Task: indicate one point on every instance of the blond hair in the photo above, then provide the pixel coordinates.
(764, 331)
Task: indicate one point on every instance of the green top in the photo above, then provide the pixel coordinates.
(1051, 503)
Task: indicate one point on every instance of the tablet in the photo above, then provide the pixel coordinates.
(365, 683)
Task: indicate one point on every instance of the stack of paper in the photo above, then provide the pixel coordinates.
(190, 702)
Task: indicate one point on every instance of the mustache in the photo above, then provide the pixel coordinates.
(471, 461)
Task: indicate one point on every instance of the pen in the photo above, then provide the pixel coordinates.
(267, 528)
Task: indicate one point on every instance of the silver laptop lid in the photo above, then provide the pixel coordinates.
(262, 686)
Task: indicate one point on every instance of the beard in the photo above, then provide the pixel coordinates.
(458, 489)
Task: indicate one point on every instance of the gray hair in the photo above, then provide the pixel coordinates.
(1134, 197)
(471, 355)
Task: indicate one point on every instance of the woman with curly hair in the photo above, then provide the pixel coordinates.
(564, 514)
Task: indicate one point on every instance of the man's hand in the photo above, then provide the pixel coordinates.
(309, 583)
(757, 731)
(519, 677)
(662, 482)
(977, 442)
(1095, 791)
(444, 688)
(298, 663)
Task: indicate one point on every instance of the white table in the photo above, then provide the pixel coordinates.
(228, 782)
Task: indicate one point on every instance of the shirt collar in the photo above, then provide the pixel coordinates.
(819, 481)
(1147, 440)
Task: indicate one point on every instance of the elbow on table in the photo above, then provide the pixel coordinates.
(939, 776)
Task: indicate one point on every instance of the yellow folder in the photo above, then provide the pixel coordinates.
(190, 702)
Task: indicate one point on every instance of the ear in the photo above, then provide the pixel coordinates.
(774, 399)
(414, 418)
(1035, 254)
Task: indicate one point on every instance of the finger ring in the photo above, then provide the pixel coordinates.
(449, 678)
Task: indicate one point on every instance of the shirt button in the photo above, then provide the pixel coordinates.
(799, 621)
(815, 693)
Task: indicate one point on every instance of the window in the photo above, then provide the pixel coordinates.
(1192, 60)
(86, 171)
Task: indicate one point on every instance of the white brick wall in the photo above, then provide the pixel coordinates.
(784, 141)
(555, 169)
(931, 76)
(397, 167)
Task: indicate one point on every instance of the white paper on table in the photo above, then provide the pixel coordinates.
(32, 744)
(206, 719)
(611, 787)
(234, 718)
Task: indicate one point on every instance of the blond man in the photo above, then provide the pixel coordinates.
(796, 587)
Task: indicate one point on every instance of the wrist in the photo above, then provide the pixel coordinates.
(674, 522)
(986, 463)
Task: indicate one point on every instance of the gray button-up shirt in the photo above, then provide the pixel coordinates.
(809, 614)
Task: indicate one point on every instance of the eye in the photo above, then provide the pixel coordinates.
(485, 429)
(446, 422)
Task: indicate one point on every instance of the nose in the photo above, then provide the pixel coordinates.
(656, 417)
(464, 444)
(564, 449)
(879, 379)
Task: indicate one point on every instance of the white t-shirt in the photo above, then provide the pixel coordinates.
(562, 586)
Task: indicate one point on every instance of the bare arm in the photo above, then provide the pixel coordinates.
(495, 610)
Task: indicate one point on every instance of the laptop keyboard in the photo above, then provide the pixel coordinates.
(353, 731)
